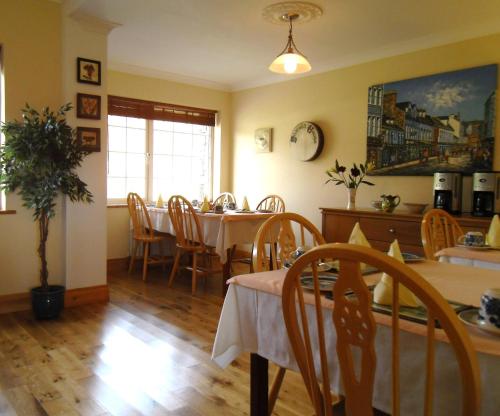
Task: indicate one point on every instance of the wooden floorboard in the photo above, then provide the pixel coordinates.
(146, 352)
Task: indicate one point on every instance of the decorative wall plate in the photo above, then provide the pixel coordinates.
(306, 142)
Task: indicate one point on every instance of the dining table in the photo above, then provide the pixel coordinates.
(223, 231)
(252, 321)
(483, 257)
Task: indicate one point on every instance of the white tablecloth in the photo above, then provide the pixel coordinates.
(485, 259)
(252, 321)
(469, 262)
(218, 230)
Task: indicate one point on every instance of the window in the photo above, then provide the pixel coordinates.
(127, 151)
(152, 157)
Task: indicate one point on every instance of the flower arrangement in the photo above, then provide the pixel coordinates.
(352, 179)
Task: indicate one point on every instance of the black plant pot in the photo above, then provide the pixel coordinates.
(47, 304)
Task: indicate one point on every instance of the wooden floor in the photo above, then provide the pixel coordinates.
(147, 352)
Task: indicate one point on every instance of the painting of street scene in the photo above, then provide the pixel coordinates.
(442, 122)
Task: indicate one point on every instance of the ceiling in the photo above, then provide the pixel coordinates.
(226, 44)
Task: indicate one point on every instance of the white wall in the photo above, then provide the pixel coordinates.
(337, 102)
(85, 224)
(30, 36)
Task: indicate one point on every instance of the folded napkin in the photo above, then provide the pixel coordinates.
(205, 207)
(357, 237)
(245, 206)
(159, 202)
(382, 293)
(493, 236)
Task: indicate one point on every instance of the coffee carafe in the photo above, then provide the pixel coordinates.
(448, 191)
(485, 194)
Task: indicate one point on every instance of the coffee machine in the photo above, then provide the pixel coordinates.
(448, 191)
(485, 193)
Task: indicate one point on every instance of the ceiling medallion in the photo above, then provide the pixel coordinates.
(277, 13)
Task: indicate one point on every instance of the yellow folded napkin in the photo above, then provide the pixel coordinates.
(383, 291)
(245, 206)
(493, 236)
(357, 237)
(205, 207)
(159, 202)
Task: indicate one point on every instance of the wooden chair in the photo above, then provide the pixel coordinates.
(189, 237)
(224, 198)
(276, 236)
(143, 233)
(273, 203)
(355, 328)
(439, 230)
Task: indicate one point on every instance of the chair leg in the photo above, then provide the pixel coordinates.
(162, 255)
(275, 389)
(251, 260)
(174, 267)
(134, 255)
(145, 263)
(193, 279)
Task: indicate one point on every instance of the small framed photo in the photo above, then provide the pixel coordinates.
(90, 138)
(88, 71)
(263, 140)
(88, 106)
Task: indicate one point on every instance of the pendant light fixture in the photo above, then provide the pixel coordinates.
(290, 60)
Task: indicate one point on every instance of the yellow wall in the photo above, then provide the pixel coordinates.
(30, 35)
(337, 101)
(153, 89)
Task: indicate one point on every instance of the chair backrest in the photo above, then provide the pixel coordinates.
(141, 222)
(272, 203)
(188, 232)
(439, 230)
(355, 328)
(276, 239)
(224, 198)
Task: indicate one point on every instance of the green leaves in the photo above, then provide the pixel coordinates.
(39, 157)
(352, 179)
(38, 160)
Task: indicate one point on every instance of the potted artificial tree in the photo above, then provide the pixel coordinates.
(38, 159)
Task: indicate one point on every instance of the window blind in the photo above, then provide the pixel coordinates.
(131, 107)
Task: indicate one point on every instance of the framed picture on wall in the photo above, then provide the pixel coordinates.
(90, 138)
(263, 140)
(88, 106)
(437, 123)
(88, 71)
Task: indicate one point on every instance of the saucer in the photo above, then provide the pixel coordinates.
(325, 282)
(412, 258)
(485, 247)
(322, 267)
(471, 318)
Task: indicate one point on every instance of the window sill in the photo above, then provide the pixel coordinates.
(7, 212)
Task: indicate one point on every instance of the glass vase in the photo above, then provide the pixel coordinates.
(351, 198)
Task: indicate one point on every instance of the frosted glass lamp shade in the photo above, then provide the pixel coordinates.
(290, 63)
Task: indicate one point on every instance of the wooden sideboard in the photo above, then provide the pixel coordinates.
(381, 228)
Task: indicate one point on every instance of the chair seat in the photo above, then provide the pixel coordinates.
(143, 234)
(148, 238)
(192, 249)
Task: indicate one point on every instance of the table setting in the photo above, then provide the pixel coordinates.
(475, 249)
(246, 325)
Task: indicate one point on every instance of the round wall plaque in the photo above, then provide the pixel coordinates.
(306, 142)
